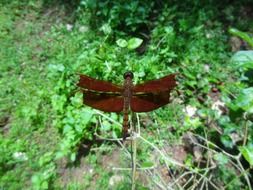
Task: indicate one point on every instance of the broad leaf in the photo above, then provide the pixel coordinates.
(121, 43)
(73, 157)
(147, 164)
(243, 59)
(242, 35)
(106, 28)
(247, 152)
(134, 43)
(227, 141)
(221, 158)
(245, 100)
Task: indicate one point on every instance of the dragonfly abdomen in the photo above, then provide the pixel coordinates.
(125, 124)
(127, 94)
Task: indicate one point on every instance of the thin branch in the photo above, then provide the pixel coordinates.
(108, 118)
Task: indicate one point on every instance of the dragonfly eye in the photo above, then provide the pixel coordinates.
(128, 74)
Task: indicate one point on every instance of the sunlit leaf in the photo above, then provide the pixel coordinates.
(73, 157)
(121, 43)
(245, 100)
(221, 158)
(242, 35)
(86, 116)
(243, 59)
(227, 141)
(247, 152)
(106, 28)
(147, 164)
(134, 43)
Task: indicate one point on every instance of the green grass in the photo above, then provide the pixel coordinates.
(43, 124)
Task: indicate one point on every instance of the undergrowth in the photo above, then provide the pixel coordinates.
(202, 140)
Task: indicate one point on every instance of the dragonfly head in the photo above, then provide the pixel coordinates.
(128, 74)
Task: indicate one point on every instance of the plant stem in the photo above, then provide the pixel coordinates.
(133, 153)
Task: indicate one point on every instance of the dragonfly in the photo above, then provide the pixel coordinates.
(109, 97)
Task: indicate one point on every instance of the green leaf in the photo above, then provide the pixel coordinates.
(221, 158)
(134, 43)
(106, 126)
(147, 164)
(247, 152)
(36, 179)
(106, 28)
(56, 67)
(86, 115)
(44, 185)
(242, 35)
(59, 155)
(243, 59)
(245, 100)
(73, 157)
(121, 43)
(227, 141)
(66, 129)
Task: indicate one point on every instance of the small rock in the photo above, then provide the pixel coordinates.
(235, 43)
(214, 89)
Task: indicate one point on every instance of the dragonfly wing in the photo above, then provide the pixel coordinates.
(163, 84)
(97, 85)
(108, 102)
(149, 101)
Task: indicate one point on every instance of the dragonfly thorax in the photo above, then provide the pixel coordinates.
(128, 74)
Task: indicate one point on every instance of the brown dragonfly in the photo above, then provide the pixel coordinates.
(108, 97)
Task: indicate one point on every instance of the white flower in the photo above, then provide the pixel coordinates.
(83, 29)
(190, 110)
(206, 68)
(69, 27)
(217, 106)
(21, 156)
(91, 170)
(208, 35)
